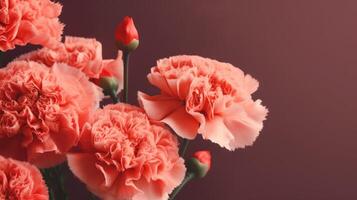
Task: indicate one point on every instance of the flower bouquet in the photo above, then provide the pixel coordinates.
(63, 107)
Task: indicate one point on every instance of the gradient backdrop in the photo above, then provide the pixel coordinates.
(304, 53)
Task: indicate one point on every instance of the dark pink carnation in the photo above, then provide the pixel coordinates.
(84, 54)
(29, 21)
(42, 110)
(21, 181)
(124, 156)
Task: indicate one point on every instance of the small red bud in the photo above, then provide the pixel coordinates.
(200, 163)
(204, 157)
(126, 35)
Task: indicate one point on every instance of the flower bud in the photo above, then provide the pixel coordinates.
(109, 85)
(126, 35)
(200, 163)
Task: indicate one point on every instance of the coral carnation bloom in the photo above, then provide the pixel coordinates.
(84, 54)
(42, 110)
(200, 95)
(29, 21)
(21, 181)
(123, 156)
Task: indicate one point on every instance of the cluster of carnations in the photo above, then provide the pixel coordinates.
(52, 115)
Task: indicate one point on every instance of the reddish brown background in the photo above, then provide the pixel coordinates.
(304, 54)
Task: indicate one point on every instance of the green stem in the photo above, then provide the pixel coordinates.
(46, 178)
(1, 55)
(55, 181)
(187, 179)
(114, 97)
(92, 197)
(126, 76)
(183, 147)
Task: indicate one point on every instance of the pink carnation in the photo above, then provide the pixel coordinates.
(124, 156)
(200, 95)
(42, 110)
(29, 21)
(84, 54)
(21, 181)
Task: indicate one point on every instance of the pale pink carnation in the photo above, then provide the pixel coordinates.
(124, 156)
(84, 54)
(200, 95)
(29, 21)
(21, 181)
(42, 110)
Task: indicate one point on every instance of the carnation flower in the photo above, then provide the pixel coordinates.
(200, 95)
(124, 156)
(84, 54)
(21, 181)
(29, 21)
(42, 110)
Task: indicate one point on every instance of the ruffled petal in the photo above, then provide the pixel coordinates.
(83, 165)
(246, 124)
(158, 107)
(182, 123)
(216, 131)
